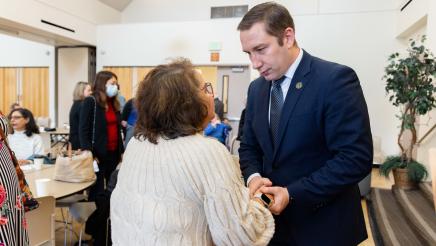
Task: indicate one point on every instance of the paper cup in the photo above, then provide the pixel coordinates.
(42, 187)
(37, 162)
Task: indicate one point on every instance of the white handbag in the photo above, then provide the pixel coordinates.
(75, 168)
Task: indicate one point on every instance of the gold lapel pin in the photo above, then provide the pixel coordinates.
(299, 85)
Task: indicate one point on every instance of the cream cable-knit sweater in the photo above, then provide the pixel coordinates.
(185, 191)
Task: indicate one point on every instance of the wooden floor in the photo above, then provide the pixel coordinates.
(59, 233)
(381, 182)
(377, 181)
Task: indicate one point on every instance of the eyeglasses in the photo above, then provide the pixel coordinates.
(16, 117)
(208, 88)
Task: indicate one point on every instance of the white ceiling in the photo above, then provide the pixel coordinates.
(117, 4)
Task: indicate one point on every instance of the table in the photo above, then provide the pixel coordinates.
(41, 183)
(61, 135)
(53, 138)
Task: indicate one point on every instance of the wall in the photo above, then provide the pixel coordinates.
(197, 10)
(412, 18)
(72, 68)
(362, 39)
(16, 52)
(81, 16)
(92, 11)
(194, 10)
(148, 44)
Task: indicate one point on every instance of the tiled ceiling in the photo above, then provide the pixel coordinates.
(117, 4)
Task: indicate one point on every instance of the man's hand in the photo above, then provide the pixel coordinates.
(256, 183)
(281, 198)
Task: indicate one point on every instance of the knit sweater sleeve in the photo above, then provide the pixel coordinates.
(233, 218)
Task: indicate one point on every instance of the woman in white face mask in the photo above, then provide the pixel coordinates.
(100, 128)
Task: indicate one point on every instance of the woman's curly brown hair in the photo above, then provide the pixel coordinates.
(169, 102)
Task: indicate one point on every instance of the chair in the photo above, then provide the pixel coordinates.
(227, 140)
(66, 203)
(43, 121)
(234, 145)
(80, 212)
(41, 225)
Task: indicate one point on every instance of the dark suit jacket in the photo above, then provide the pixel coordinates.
(86, 128)
(74, 124)
(325, 149)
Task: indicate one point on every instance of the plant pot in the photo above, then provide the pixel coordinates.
(402, 180)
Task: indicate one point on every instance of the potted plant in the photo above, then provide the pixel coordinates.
(409, 84)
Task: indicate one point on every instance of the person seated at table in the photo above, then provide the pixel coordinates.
(24, 140)
(81, 91)
(217, 129)
(175, 186)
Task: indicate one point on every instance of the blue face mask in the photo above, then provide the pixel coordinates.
(111, 90)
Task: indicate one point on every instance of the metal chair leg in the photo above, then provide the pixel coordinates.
(65, 227)
(80, 237)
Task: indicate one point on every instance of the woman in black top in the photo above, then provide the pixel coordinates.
(100, 128)
(82, 90)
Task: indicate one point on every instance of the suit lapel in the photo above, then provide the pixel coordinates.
(298, 84)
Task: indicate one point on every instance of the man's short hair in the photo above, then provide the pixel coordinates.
(275, 17)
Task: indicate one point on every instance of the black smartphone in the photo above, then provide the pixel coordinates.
(266, 200)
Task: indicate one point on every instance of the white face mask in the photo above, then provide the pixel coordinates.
(111, 90)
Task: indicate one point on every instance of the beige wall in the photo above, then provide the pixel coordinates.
(72, 68)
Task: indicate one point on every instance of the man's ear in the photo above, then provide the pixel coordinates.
(289, 37)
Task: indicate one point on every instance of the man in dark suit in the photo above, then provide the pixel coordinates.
(307, 138)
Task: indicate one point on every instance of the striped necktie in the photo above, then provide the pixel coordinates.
(276, 108)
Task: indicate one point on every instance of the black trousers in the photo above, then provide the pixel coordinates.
(98, 225)
(106, 166)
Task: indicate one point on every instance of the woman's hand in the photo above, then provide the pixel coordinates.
(24, 162)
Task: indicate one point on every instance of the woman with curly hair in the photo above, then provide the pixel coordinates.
(176, 186)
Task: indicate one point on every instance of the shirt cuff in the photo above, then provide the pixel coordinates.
(251, 177)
